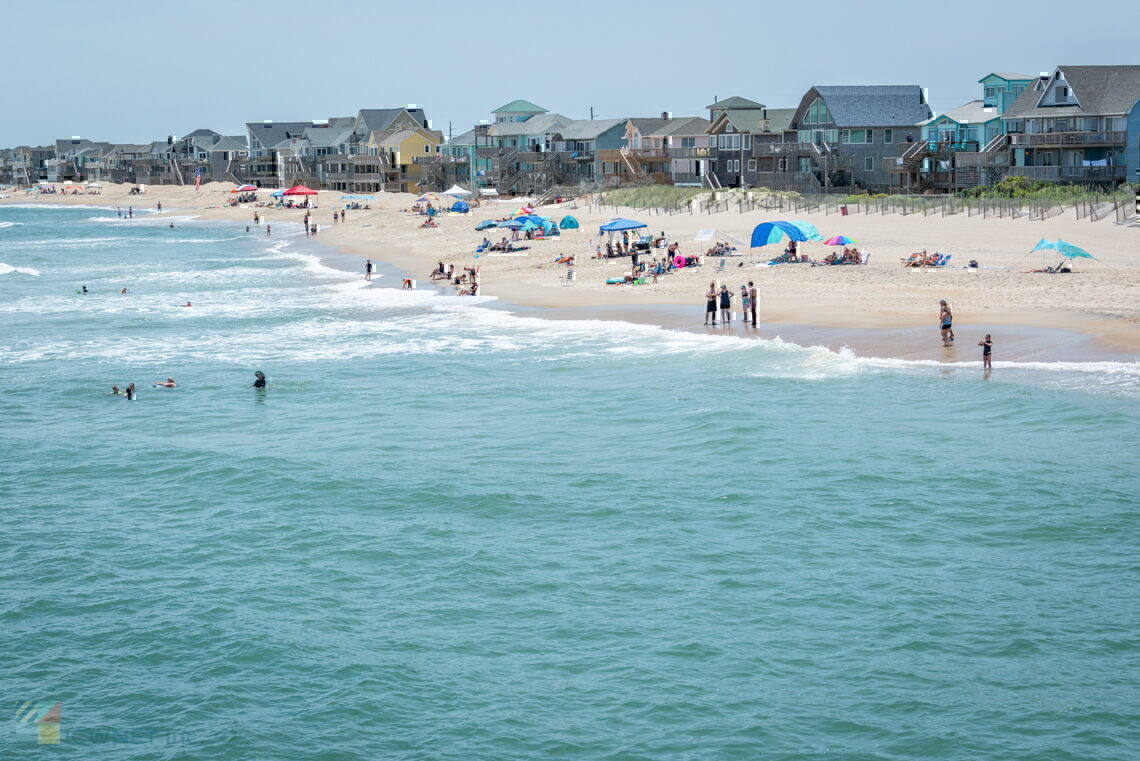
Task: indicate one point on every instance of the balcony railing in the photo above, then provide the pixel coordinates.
(687, 178)
(439, 159)
(1032, 140)
(1069, 173)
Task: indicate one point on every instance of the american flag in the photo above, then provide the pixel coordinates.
(198, 178)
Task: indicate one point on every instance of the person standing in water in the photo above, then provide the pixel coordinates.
(130, 212)
(710, 304)
(160, 207)
(946, 322)
(267, 230)
(752, 301)
(130, 393)
(725, 305)
(368, 269)
(987, 345)
(259, 380)
(115, 391)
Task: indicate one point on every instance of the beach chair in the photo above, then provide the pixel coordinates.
(721, 267)
(944, 260)
(569, 279)
(866, 257)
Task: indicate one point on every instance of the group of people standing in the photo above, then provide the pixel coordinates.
(722, 299)
(946, 326)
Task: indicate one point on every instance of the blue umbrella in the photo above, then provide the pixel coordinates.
(277, 193)
(486, 224)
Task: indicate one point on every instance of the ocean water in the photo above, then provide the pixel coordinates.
(447, 532)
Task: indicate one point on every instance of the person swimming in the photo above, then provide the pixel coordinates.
(124, 291)
(187, 304)
(168, 384)
(84, 290)
(259, 380)
(115, 391)
(130, 393)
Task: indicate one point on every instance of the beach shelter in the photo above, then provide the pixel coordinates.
(704, 236)
(840, 240)
(300, 190)
(358, 198)
(528, 225)
(773, 232)
(455, 190)
(460, 207)
(568, 223)
(92, 185)
(1062, 247)
(619, 224)
(244, 189)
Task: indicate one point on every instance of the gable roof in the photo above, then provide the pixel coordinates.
(520, 106)
(381, 118)
(735, 102)
(201, 133)
(756, 121)
(273, 134)
(395, 137)
(466, 138)
(327, 137)
(647, 125)
(587, 129)
(974, 112)
(1098, 89)
(231, 143)
(690, 126)
(873, 105)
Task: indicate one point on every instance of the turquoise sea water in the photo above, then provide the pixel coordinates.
(449, 532)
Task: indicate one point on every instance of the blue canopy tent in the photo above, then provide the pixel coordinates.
(619, 224)
(528, 225)
(1062, 247)
(568, 223)
(486, 224)
(460, 207)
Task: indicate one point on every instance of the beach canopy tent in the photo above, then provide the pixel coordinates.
(358, 198)
(486, 224)
(460, 207)
(774, 232)
(619, 224)
(92, 185)
(1062, 247)
(568, 223)
(300, 190)
(455, 190)
(488, 192)
(528, 225)
(706, 235)
(840, 240)
(244, 189)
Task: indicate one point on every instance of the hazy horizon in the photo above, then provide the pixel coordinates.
(138, 72)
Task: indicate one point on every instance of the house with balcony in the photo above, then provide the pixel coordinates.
(845, 133)
(78, 159)
(667, 150)
(514, 152)
(398, 149)
(584, 151)
(1080, 125)
(746, 136)
(962, 148)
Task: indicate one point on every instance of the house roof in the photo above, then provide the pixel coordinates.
(1098, 90)
(647, 125)
(735, 102)
(753, 121)
(587, 129)
(382, 118)
(520, 107)
(231, 143)
(394, 137)
(327, 137)
(974, 112)
(467, 138)
(536, 125)
(689, 126)
(201, 133)
(873, 105)
(1008, 76)
(273, 134)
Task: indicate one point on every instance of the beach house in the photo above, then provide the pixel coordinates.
(962, 148)
(584, 151)
(1081, 124)
(662, 150)
(749, 139)
(844, 133)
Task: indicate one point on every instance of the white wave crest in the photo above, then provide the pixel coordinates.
(6, 269)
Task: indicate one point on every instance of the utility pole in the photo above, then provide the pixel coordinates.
(591, 113)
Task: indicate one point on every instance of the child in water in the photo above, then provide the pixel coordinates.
(987, 345)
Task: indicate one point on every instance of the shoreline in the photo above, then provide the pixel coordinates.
(531, 286)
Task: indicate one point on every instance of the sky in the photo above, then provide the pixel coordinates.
(129, 71)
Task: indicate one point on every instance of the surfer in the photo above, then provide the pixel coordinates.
(187, 304)
(259, 380)
(84, 290)
(168, 384)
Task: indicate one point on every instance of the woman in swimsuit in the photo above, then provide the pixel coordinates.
(744, 303)
(987, 349)
(710, 305)
(725, 304)
(946, 321)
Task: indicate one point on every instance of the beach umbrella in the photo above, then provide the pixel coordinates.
(300, 190)
(1062, 247)
(522, 211)
(528, 225)
(277, 193)
(840, 240)
(568, 223)
(244, 188)
(486, 224)
(427, 197)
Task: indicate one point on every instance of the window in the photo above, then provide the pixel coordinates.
(1062, 93)
(748, 141)
(817, 113)
(751, 165)
(869, 163)
(888, 136)
(991, 92)
(688, 142)
(857, 136)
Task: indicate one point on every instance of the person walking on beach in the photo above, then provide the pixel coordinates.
(987, 345)
(725, 305)
(368, 269)
(256, 219)
(710, 304)
(946, 322)
(752, 301)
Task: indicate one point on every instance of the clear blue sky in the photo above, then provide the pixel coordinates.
(128, 71)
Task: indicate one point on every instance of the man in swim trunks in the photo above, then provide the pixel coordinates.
(710, 304)
(752, 301)
(368, 269)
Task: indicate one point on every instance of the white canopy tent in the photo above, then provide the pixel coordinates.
(455, 190)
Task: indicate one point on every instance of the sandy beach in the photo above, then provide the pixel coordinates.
(881, 309)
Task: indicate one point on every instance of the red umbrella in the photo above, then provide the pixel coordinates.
(300, 190)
